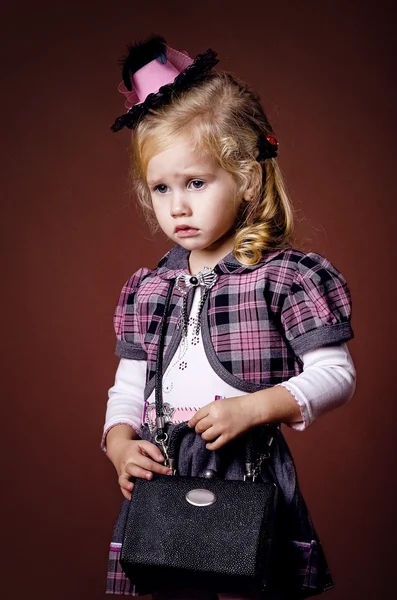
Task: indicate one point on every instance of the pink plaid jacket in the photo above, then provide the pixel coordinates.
(256, 320)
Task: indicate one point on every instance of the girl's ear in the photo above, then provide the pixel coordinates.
(255, 183)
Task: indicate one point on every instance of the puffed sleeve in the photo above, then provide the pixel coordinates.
(317, 308)
(126, 322)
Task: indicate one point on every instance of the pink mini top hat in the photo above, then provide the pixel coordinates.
(153, 73)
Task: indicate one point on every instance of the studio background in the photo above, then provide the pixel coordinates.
(72, 236)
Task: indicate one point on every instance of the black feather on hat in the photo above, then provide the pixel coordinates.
(140, 54)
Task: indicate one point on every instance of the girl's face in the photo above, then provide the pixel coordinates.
(194, 199)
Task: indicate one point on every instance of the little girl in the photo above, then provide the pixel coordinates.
(256, 330)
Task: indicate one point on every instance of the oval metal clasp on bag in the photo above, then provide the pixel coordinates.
(200, 497)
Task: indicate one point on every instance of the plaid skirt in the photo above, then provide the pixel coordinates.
(304, 570)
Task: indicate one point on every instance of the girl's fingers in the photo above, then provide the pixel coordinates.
(203, 425)
(126, 486)
(218, 443)
(135, 471)
(125, 483)
(146, 464)
(151, 450)
(200, 414)
(126, 494)
(210, 434)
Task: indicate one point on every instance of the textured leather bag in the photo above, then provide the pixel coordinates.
(200, 532)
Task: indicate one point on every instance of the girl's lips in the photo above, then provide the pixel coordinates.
(187, 232)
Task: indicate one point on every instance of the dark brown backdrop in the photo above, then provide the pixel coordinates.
(71, 238)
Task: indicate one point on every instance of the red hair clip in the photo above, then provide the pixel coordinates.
(268, 146)
(272, 139)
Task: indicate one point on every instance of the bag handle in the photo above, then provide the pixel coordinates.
(160, 421)
(252, 463)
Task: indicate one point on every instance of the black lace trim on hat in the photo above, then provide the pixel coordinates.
(193, 74)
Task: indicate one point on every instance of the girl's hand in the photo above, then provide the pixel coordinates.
(225, 420)
(137, 458)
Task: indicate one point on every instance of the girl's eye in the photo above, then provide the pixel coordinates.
(197, 184)
(160, 188)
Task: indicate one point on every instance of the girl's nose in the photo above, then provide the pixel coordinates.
(179, 205)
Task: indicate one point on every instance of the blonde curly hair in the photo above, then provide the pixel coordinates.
(222, 116)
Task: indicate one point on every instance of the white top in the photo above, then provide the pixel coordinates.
(189, 382)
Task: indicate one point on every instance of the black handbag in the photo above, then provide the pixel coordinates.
(200, 532)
